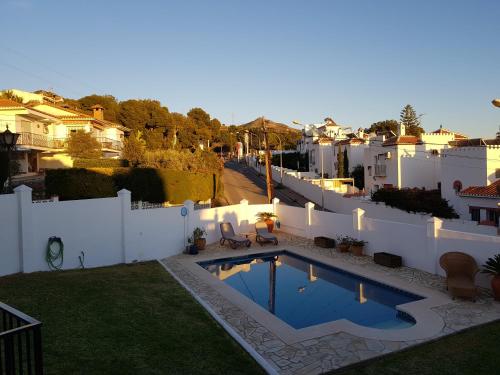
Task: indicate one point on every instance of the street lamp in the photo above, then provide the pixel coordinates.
(8, 141)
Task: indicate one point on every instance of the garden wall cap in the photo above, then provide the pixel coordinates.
(22, 188)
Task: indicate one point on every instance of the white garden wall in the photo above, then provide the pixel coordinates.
(109, 232)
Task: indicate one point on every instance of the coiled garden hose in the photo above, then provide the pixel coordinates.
(54, 257)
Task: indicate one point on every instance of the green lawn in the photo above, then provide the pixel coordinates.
(474, 352)
(123, 320)
(137, 320)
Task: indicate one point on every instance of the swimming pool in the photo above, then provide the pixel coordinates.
(303, 292)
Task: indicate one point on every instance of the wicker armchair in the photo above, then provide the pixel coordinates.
(461, 270)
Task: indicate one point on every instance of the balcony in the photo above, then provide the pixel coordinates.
(48, 142)
(380, 170)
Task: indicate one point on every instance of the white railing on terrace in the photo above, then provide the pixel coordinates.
(47, 141)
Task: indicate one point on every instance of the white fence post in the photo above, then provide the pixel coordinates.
(357, 221)
(309, 208)
(433, 226)
(125, 210)
(276, 203)
(27, 255)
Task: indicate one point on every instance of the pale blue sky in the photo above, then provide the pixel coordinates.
(356, 61)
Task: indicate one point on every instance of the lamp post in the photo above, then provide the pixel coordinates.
(8, 141)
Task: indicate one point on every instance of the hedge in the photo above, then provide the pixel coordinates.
(416, 200)
(100, 163)
(146, 184)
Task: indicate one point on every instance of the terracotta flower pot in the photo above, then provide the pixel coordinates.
(270, 225)
(200, 243)
(343, 247)
(495, 285)
(357, 250)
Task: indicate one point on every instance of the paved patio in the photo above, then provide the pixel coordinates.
(331, 351)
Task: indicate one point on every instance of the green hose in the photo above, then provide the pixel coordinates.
(54, 258)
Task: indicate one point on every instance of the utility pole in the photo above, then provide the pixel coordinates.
(269, 181)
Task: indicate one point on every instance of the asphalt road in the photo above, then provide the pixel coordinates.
(242, 182)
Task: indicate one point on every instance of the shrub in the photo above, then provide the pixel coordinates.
(416, 200)
(99, 163)
(83, 145)
(146, 184)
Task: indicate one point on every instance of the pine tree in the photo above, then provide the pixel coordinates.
(411, 120)
(346, 163)
(340, 163)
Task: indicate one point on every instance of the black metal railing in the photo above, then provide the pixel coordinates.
(20, 343)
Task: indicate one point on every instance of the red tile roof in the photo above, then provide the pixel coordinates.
(490, 191)
(7, 103)
(446, 131)
(350, 141)
(401, 140)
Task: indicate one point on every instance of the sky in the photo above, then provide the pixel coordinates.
(355, 61)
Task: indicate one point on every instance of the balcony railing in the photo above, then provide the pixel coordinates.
(380, 170)
(46, 141)
(20, 343)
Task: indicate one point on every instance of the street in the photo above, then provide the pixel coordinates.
(243, 182)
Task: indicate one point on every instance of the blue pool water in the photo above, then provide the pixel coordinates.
(303, 292)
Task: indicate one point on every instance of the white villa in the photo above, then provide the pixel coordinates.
(406, 161)
(470, 176)
(44, 128)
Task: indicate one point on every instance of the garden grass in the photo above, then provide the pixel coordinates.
(472, 352)
(125, 319)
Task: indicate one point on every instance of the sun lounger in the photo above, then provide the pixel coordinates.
(228, 235)
(263, 235)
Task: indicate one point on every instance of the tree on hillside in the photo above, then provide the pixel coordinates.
(134, 148)
(203, 126)
(340, 163)
(8, 94)
(346, 163)
(411, 121)
(83, 145)
(381, 126)
(138, 114)
(111, 106)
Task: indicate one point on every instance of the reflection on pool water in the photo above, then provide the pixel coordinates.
(303, 292)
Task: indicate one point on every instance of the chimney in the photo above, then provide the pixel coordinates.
(401, 129)
(98, 111)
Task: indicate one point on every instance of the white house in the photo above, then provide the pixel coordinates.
(353, 146)
(470, 179)
(406, 161)
(44, 128)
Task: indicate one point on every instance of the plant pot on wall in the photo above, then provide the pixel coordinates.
(270, 225)
(200, 243)
(343, 247)
(492, 267)
(357, 250)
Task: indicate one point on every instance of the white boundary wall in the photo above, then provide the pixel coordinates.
(109, 232)
(336, 202)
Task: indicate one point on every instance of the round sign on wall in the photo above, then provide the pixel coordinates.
(184, 211)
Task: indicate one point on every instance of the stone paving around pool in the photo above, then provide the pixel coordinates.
(333, 351)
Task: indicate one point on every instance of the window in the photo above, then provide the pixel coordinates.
(493, 215)
(369, 170)
(475, 214)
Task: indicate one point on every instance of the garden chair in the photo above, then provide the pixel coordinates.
(263, 234)
(227, 232)
(461, 270)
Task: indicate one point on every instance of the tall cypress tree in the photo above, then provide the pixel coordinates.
(411, 120)
(340, 163)
(346, 163)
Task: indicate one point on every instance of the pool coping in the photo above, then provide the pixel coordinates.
(428, 322)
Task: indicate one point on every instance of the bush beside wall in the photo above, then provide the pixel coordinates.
(146, 184)
(416, 200)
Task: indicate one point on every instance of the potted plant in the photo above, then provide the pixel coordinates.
(267, 217)
(357, 247)
(492, 267)
(343, 243)
(192, 249)
(198, 239)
